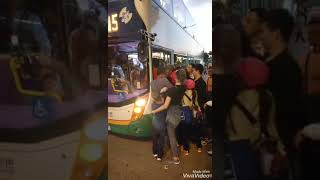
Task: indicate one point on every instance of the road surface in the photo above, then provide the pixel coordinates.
(133, 160)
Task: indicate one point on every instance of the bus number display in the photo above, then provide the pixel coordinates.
(113, 23)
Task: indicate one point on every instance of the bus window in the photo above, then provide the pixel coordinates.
(86, 42)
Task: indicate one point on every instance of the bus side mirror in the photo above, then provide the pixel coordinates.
(143, 51)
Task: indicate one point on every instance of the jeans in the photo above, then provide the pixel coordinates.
(197, 131)
(158, 133)
(309, 158)
(172, 138)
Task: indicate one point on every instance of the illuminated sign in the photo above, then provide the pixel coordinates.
(124, 15)
(113, 23)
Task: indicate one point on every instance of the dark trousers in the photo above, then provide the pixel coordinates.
(171, 129)
(197, 133)
(309, 159)
(245, 161)
(209, 118)
(183, 135)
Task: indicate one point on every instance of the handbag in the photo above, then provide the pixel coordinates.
(174, 115)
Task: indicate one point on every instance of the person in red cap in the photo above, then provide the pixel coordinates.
(253, 72)
(253, 114)
(184, 130)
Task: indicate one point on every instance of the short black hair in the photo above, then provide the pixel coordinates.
(199, 67)
(282, 20)
(161, 70)
(260, 12)
(155, 62)
(181, 75)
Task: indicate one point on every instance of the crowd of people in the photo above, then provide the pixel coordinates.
(181, 110)
(259, 115)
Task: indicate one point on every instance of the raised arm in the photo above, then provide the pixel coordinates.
(164, 106)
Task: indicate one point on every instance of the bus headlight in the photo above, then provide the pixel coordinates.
(141, 102)
(96, 130)
(91, 152)
(139, 107)
(137, 110)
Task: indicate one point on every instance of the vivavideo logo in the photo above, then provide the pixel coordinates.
(199, 174)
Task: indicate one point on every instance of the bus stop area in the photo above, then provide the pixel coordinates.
(131, 159)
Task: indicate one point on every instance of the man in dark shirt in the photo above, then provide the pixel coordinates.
(285, 81)
(201, 85)
(251, 26)
(201, 91)
(189, 70)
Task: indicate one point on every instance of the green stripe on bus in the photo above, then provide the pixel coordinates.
(140, 128)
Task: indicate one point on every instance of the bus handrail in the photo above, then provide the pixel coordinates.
(115, 90)
(13, 67)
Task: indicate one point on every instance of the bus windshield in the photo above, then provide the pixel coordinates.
(127, 75)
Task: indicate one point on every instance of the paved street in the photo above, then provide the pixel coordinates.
(133, 160)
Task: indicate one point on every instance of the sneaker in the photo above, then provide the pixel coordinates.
(176, 161)
(210, 153)
(159, 159)
(199, 150)
(155, 155)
